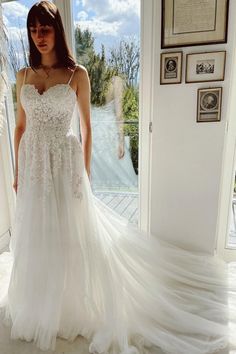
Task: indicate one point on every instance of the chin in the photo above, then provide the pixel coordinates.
(43, 49)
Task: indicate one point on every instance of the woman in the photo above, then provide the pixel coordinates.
(75, 267)
(112, 165)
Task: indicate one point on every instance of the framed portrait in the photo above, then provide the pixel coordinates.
(208, 66)
(209, 104)
(171, 68)
(194, 22)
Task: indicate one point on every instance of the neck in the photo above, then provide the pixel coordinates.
(49, 60)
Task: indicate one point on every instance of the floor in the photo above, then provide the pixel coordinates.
(124, 203)
(79, 346)
(232, 229)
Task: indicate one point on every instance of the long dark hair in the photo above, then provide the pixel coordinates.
(48, 14)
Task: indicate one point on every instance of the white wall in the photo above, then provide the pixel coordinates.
(186, 155)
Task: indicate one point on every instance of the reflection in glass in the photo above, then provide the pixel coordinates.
(232, 227)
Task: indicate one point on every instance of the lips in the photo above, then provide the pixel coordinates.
(42, 45)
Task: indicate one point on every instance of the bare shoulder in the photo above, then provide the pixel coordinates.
(82, 78)
(20, 74)
(118, 82)
(81, 71)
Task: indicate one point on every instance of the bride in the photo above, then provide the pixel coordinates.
(75, 267)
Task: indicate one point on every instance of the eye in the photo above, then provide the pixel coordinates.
(43, 30)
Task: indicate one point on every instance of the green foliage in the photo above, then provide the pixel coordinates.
(131, 127)
(100, 76)
(124, 62)
(84, 46)
(98, 71)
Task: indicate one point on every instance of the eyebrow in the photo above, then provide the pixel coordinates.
(33, 26)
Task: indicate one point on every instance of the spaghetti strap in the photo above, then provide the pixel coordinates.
(71, 76)
(25, 75)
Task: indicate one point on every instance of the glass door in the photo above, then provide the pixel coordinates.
(107, 43)
(226, 230)
(231, 239)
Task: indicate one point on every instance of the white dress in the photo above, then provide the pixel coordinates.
(107, 170)
(77, 268)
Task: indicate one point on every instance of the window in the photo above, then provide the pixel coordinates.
(107, 44)
(231, 242)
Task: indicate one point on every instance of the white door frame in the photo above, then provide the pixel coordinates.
(228, 171)
(147, 61)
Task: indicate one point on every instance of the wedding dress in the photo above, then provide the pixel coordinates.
(75, 267)
(107, 170)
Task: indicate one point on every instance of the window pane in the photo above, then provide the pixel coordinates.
(14, 17)
(232, 229)
(107, 43)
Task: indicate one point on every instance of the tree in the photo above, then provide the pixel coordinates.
(131, 127)
(125, 60)
(98, 70)
(84, 46)
(14, 53)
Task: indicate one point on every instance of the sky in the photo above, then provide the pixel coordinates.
(109, 20)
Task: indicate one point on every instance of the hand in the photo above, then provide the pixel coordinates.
(15, 183)
(121, 151)
(89, 175)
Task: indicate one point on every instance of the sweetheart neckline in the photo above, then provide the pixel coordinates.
(44, 92)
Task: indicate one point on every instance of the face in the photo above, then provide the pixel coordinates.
(210, 99)
(43, 37)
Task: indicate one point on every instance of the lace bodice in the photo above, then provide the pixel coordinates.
(48, 142)
(48, 115)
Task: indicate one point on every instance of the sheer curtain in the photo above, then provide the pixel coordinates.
(6, 167)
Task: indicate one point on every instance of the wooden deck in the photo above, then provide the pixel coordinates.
(124, 203)
(232, 240)
(232, 228)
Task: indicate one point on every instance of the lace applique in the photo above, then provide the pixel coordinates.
(48, 143)
(76, 169)
(77, 181)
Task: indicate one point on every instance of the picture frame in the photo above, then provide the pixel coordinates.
(209, 101)
(171, 68)
(207, 23)
(205, 66)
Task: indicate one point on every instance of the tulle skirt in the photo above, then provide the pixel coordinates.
(75, 267)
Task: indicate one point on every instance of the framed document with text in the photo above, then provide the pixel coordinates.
(194, 22)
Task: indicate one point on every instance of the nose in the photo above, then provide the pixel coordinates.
(39, 33)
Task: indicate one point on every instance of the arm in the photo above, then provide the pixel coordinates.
(20, 123)
(83, 98)
(118, 87)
